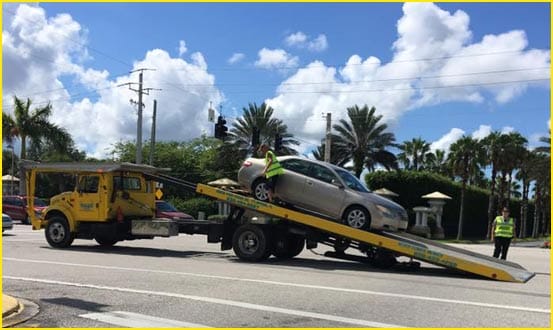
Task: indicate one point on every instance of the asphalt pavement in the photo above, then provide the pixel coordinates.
(186, 282)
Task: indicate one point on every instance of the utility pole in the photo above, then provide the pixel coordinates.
(141, 90)
(328, 137)
(153, 137)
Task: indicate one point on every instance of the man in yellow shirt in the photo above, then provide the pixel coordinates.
(272, 169)
(503, 231)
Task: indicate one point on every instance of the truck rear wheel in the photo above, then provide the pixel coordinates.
(105, 241)
(288, 246)
(57, 233)
(251, 243)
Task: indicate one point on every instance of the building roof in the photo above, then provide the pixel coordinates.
(96, 167)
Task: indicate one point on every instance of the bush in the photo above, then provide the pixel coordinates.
(412, 185)
(194, 205)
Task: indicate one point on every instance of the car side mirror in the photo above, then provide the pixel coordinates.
(337, 183)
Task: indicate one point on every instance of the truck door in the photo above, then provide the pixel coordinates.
(86, 198)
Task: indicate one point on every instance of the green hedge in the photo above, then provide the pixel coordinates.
(411, 185)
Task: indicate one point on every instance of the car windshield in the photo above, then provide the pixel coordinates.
(351, 181)
(40, 202)
(165, 207)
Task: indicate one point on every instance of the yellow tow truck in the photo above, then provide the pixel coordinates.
(113, 202)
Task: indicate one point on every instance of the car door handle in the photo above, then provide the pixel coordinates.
(309, 182)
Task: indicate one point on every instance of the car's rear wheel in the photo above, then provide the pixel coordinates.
(260, 190)
(357, 217)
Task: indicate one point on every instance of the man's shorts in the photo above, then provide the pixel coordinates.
(271, 182)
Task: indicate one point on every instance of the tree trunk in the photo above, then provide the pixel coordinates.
(524, 208)
(461, 211)
(491, 201)
(509, 188)
(501, 194)
(537, 211)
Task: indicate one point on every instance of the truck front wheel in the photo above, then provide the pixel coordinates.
(251, 243)
(57, 233)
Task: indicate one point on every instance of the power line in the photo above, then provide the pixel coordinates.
(365, 81)
(376, 61)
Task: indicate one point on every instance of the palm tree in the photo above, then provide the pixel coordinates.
(492, 149)
(34, 127)
(466, 155)
(261, 117)
(414, 153)
(337, 157)
(514, 146)
(524, 175)
(363, 140)
(545, 149)
(436, 162)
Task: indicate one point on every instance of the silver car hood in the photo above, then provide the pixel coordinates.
(382, 200)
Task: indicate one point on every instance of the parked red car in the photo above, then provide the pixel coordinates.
(16, 207)
(166, 210)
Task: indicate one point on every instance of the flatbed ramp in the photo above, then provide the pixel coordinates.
(401, 243)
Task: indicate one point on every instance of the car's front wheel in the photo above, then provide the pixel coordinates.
(260, 190)
(357, 217)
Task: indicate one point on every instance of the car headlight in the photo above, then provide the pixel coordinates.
(385, 212)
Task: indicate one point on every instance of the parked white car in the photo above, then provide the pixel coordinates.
(7, 223)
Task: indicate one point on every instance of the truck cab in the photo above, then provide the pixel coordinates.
(110, 202)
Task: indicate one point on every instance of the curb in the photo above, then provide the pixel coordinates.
(10, 306)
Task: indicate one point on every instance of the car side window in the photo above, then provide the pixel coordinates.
(296, 165)
(321, 173)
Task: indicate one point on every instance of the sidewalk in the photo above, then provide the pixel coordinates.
(10, 306)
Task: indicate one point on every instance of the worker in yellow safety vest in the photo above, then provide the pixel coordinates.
(503, 231)
(272, 169)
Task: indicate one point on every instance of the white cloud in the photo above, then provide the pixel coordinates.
(235, 58)
(182, 47)
(105, 116)
(404, 84)
(482, 132)
(447, 140)
(296, 39)
(507, 129)
(275, 59)
(301, 40)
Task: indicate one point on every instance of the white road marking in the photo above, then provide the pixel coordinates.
(23, 240)
(133, 320)
(307, 286)
(233, 303)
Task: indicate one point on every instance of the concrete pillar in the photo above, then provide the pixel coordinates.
(421, 223)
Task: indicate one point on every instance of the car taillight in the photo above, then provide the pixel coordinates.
(247, 164)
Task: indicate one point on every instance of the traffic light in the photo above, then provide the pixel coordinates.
(255, 136)
(221, 128)
(278, 142)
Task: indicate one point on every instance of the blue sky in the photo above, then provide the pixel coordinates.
(75, 55)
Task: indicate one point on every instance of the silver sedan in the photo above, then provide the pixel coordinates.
(325, 189)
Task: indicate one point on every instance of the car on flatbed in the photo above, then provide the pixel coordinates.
(325, 189)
